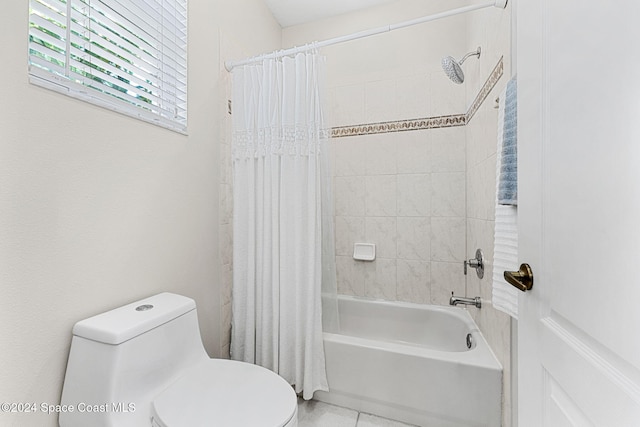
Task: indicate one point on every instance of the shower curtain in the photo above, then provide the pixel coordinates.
(281, 267)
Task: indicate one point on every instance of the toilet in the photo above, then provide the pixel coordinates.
(144, 365)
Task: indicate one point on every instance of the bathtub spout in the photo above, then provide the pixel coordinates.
(465, 301)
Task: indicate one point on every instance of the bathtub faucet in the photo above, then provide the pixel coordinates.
(465, 301)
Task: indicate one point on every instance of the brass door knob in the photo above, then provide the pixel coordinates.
(521, 279)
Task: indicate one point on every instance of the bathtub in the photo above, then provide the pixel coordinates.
(413, 363)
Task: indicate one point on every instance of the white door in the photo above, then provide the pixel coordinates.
(578, 65)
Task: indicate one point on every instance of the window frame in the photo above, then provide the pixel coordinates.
(142, 74)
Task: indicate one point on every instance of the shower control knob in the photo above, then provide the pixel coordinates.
(477, 263)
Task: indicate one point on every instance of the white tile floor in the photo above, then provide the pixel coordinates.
(319, 414)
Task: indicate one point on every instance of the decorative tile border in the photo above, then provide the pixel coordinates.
(488, 86)
(428, 122)
(400, 126)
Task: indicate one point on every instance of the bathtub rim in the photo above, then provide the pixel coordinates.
(481, 355)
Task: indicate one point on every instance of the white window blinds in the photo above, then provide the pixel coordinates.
(127, 55)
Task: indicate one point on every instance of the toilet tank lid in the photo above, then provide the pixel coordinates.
(121, 324)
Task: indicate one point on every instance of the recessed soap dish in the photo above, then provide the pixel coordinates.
(364, 251)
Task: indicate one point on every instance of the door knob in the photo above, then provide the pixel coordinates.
(521, 279)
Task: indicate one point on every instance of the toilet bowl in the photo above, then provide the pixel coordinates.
(144, 365)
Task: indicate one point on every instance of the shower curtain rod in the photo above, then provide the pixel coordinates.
(230, 65)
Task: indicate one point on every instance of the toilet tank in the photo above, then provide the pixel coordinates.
(120, 360)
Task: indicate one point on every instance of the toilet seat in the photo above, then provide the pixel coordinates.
(219, 392)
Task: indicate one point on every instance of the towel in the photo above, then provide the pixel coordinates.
(508, 177)
(504, 295)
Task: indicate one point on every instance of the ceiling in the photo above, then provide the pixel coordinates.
(294, 12)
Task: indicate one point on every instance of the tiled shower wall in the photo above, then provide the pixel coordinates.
(491, 29)
(226, 221)
(405, 192)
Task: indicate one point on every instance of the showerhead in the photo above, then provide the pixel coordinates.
(453, 69)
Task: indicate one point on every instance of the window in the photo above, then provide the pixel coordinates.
(126, 55)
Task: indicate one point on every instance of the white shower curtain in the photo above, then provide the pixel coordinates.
(279, 143)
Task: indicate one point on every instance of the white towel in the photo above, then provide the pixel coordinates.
(505, 254)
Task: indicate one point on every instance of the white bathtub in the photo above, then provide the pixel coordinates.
(410, 362)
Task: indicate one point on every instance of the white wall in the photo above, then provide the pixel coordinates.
(98, 209)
